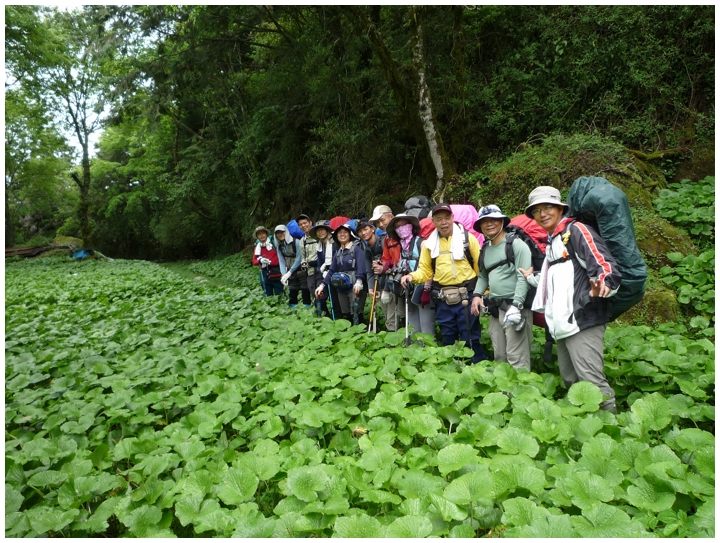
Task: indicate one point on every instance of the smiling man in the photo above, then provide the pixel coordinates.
(507, 289)
(577, 277)
(449, 258)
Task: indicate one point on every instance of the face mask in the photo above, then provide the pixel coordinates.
(405, 231)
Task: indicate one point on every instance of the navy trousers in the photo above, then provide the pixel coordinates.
(452, 320)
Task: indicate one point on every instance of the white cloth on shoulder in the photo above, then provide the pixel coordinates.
(456, 243)
(260, 246)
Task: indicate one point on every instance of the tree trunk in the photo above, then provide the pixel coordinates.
(444, 172)
(402, 92)
(9, 226)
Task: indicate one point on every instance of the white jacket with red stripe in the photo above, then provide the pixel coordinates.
(575, 254)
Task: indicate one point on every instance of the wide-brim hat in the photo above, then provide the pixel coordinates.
(318, 225)
(409, 218)
(490, 212)
(260, 229)
(545, 195)
(346, 226)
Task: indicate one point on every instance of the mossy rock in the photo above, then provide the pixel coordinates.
(656, 237)
(659, 305)
(558, 162)
(701, 164)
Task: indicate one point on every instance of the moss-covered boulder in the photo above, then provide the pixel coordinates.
(656, 237)
(657, 306)
(699, 164)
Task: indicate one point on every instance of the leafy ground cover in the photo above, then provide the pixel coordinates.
(142, 403)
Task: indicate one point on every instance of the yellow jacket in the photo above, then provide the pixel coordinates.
(447, 271)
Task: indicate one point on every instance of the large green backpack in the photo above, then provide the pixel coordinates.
(603, 206)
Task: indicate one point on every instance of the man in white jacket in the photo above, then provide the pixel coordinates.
(578, 276)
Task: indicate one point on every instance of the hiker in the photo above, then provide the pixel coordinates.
(266, 257)
(321, 232)
(347, 275)
(405, 229)
(450, 258)
(308, 252)
(394, 311)
(510, 321)
(293, 277)
(577, 277)
(373, 245)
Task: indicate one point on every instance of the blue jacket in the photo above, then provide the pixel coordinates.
(349, 259)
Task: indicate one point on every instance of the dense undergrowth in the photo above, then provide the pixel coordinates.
(141, 403)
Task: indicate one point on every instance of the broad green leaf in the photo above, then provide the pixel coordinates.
(514, 441)
(462, 531)
(586, 489)
(199, 482)
(264, 466)
(98, 521)
(644, 495)
(380, 496)
(693, 439)
(49, 519)
(704, 462)
(305, 482)
(238, 486)
(378, 457)
(470, 487)
(547, 527)
(252, 524)
(447, 509)
(652, 410)
(407, 527)
(13, 499)
(191, 508)
(219, 520)
(415, 483)
(516, 474)
(626, 452)
(493, 403)
(362, 384)
(47, 478)
(427, 384)
(656, 461)
(455, 456)
(605, 521)
(143, 519)
(358, 526)
(705, 517)
(521, 512)
(189, 449)
(586, 395)
(424, 424)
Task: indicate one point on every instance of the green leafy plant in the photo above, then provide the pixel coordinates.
(690, 204)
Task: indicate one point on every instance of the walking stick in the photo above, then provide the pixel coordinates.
(372, 307)
(407, 316)
(467, 322)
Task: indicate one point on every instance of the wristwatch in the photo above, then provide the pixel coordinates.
(518, 305)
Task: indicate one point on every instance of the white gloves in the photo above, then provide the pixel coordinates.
(319, 290)
(512, 316)
(264, 261)
(385, 297)
(324, 268)
(285, 278)
(357, 289)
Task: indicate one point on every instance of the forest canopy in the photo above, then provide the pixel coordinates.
(209, 120)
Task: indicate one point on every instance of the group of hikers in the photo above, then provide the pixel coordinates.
(419, 271)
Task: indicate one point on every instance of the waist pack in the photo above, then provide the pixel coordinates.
(343, 280)
(273, 273)
(453, 295)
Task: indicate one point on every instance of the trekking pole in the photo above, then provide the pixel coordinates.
(465, 304)
(356, 308)
(407, 315)
(396, 312)
(372, 307)
(318, 308)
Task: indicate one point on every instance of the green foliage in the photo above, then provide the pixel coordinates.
(143, 404)
(691, 204)
(694, 278)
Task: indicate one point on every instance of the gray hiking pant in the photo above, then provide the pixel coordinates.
(511, 346)
(422, 319)
(580, 358)
(388, 310)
